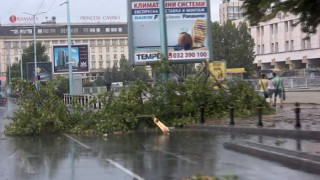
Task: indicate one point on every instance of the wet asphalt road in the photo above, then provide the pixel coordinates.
(136, 155)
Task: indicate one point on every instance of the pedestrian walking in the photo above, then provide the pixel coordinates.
(270, 88)
(278, 89)
(263, 86)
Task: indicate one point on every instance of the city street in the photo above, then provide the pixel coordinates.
(135, 155)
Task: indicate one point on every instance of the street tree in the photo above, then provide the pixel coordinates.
(28, 56)
(308, 11)
(233, 45)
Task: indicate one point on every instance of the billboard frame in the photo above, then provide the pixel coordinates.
(177, 60)
(80, 54)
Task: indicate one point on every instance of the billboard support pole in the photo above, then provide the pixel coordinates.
(163, 35)
(69, 50)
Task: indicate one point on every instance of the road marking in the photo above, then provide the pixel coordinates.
(177, 156)
(127, 171)
(124, 169)
(83, 145)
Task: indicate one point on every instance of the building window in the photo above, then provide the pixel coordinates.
(16, 51)
(115, 49)
(75, 30)
(107, 30)
(122, 49)
(286, 26)
(115, 57)
(62, 42)
(85, 41)
(108, 64)
(39, 31)
(100, 57)
(100, 49)
(258, 49)
(120, 29)
(271, 29)
(100, 65)
(100, 42)
(107, 42)
(92, 42)
(92, 30)
(98, 30)
(258, 31)
(93, 49)
(45, 31)
(262, 31)
(275, 28)
(306, 43)
(276, 47)
(93, 65)
(63, 31)
(16, 59)
(114, 42)
(291, 45)
(122, 42)
(93, 57)
(85, 30)
(291, 25)
(272, 48)
(262, 49)
(77, 41)
(287, 46)
(123, 56)
(107, 49)
(114, 29)
(108, 57)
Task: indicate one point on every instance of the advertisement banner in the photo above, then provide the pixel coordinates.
(218, 73)
(187, 22)
(44, 70)
(79, 59)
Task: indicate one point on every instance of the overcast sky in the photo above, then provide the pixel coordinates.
(102, 9)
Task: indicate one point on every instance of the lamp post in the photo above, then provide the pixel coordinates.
(34, 40)
(69, 47)
(69, 50)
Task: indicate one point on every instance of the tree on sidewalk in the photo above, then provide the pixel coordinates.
(234, 45)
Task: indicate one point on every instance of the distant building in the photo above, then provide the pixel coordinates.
(108, 42)
(230, 9)
(278, 44)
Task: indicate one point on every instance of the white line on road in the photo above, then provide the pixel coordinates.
(125, 169)
(83, 145)
(132, 174)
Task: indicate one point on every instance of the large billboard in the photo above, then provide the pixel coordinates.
(188, 31)
(79, 59)
(44, 70)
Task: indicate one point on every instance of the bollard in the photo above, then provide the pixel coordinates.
(201, 108)
(231, 109)
(297, 111)
(259, 110)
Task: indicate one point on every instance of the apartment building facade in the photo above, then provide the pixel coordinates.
(281, 45)
(107, 42)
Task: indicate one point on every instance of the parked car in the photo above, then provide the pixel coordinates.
(3, 98)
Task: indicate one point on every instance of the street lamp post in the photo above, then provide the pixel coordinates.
(69, 50)
(34, 40)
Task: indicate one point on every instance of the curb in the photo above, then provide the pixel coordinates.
(293, 159)
(286, 133)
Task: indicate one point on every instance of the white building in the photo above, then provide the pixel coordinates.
(108, 42)
(278, 44)
(281, 45)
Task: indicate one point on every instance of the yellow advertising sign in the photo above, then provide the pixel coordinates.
(218, 73)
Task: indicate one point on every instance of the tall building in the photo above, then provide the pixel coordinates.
(230, 9)
(107, 42)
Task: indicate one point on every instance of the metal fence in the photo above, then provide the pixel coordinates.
(292, 82)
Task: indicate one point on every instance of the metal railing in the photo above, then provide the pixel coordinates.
(292, 82)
